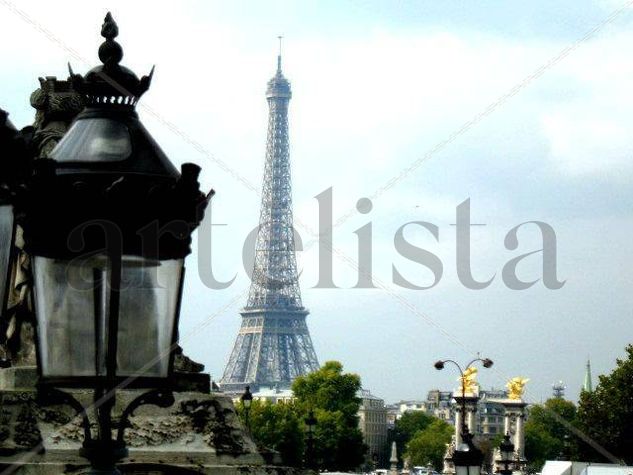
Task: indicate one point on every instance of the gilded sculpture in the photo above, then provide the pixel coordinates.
(516, 387)
(469, 380)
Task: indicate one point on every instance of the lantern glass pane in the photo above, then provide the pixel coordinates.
(6, 245)
(72, 301)
(94, 140)
(148, 309)
(66, 303)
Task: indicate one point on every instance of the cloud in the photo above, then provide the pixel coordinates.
(366, 104)
(588, 128)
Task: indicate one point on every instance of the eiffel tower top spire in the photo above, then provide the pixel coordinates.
(278, 86)
(279, 56)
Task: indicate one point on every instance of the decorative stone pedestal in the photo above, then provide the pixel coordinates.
(199, 434)
(514, 421)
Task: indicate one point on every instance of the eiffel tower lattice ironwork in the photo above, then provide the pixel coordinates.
(273, 345)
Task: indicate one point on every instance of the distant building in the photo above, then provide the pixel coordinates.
(372, 421)
(490, 414)
(393, 414)
(438, 404)
(406, 406)
(274, 395)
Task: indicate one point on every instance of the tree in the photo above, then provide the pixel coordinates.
(332, 395)
(547, 430)
(429, 444)
(406, 427)
(606, 414)
(277, 427)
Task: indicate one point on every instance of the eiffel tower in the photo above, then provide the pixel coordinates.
(273, 345)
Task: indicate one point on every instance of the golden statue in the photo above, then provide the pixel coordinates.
(469, 380)
(515, 387)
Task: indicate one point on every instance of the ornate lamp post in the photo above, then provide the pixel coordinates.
(310, 422)
(108, 222)
(506, 451)
(467, 458)
(246, 399)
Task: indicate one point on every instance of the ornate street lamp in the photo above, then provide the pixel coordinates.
(310, 423)
(108, 222)
(506, 451)
(467, 458)
(247, 399)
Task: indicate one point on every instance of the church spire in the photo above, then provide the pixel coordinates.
(587, 386)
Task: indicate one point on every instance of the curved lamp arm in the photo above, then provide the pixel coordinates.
(439, 365)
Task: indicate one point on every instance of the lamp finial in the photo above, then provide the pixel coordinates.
(110, 52)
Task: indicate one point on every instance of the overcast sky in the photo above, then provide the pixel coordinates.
(526, 108)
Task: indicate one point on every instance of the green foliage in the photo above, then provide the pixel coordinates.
(332, 395)
(406, 427)
(337, 445)
(429, 444)
(330, 389)
(606, 414)
(277, 427)
(546, 431)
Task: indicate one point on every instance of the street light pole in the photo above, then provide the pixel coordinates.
(247, 399)
(439, 365)
(310, 422)
(467, 458)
